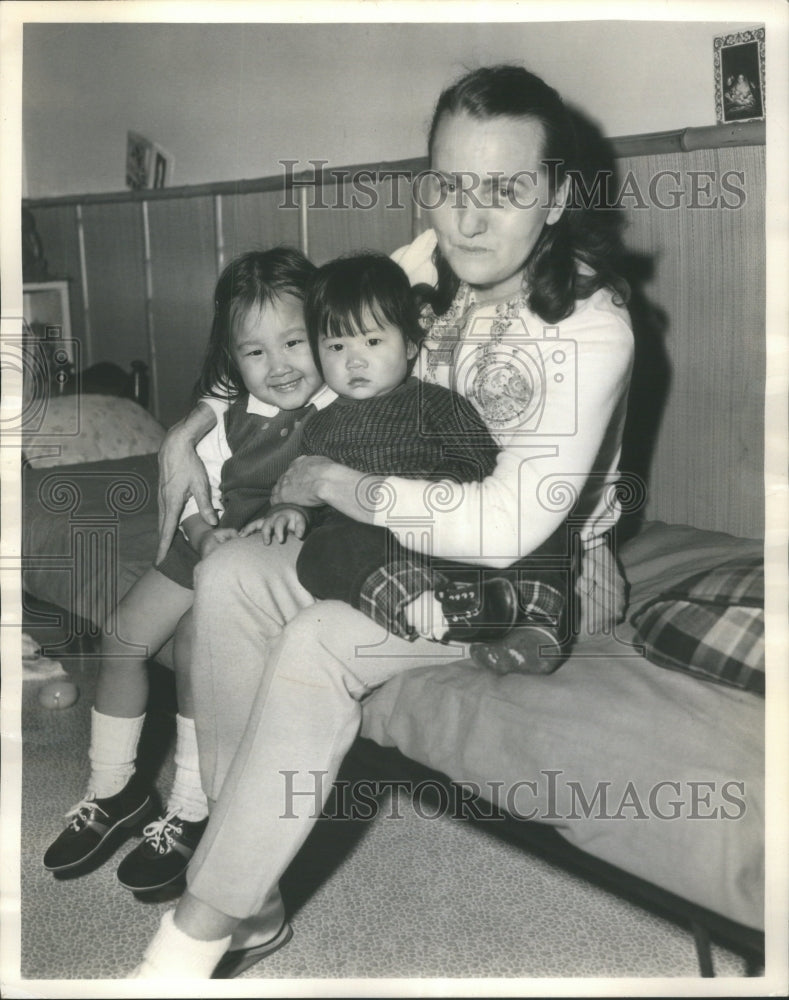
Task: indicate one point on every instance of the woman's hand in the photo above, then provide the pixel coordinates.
(182, 474)
(302, 481)
(313, 480)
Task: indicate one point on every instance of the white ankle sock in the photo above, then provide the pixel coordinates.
(172, 954)
(113, 750)
(426, 616)
(187, 797)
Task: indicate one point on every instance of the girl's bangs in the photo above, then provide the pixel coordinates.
(237, 311)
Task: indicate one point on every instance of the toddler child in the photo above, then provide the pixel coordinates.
(363, 323)
(260, 361)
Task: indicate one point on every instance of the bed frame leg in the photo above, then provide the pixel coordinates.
(703, 950)
(754, 967)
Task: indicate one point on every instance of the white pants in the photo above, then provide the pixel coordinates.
(277, 681)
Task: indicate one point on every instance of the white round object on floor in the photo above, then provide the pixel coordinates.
(58, 694)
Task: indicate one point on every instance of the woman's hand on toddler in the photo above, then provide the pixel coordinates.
(213, 539)
(278, 524)
(300, 483)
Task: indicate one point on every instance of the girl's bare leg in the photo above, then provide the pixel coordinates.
(143, 621)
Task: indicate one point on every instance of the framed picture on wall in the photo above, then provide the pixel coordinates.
(147, 165)
(160, 169)
(739, 77)
(139, 155)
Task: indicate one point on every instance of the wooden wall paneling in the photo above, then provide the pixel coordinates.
(739, 365)
(304, 227)
(87, 357)
(219, 233)
(183, 276)
(699, 314)
(257, 222)
(343, 218)
(653, 323)
(706, 467)
(153, 375)
(57, 227)
(114, 258)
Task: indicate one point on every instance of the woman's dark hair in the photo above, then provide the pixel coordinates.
(346, 289)
(250, 281)
(551, 272)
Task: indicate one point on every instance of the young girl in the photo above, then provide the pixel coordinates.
(362, 320)
(259, 361)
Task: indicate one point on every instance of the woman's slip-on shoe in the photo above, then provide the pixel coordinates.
(233, 963)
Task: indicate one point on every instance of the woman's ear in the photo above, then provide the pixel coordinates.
(559, 202)
(411, 350)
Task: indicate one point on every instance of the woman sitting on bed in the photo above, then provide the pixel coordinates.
(528, 323)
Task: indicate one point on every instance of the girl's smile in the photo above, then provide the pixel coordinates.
(288, 386)
(272, 353)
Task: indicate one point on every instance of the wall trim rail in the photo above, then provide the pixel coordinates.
(650, 143)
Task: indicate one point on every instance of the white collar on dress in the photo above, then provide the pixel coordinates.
(323, 397)
(255, 405)
(319, 399)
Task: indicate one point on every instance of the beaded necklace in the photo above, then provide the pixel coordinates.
(496, 375)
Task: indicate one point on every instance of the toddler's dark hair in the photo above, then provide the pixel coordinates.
(250, 281)
(346, 289)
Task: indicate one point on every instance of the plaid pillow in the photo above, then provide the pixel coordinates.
(710, 625)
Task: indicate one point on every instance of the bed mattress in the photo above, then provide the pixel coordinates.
(652, 770)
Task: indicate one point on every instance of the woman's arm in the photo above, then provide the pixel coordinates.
(182, 474)
(573, 453)
(312, 481)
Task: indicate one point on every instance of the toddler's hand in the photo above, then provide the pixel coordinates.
(213, 539)
(279, 524)
(252, 527)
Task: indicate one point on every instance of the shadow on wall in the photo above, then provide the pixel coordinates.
(650, 382)
(651, 377)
